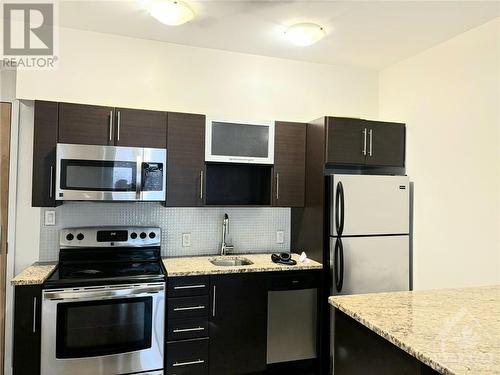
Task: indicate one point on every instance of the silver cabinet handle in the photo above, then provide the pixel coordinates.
(277, 186)
(177, 330)
(110, 125)
(364, 141)
(189, 286)
(200, 307)
(214, 303)
(197, 362)
(34, 314)
(371, 142)
(201, 184)
(118, 122)
(51, 182)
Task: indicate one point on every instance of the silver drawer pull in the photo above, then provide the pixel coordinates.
(189, 286)
(200, 307)
(177, 330)
(198, 362)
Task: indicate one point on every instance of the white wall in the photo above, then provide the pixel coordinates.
(114, 70)
(449, 98)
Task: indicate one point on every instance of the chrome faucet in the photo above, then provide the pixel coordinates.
(224, 247)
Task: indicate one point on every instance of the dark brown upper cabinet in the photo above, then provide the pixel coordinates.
(85, 124)
(44, 154)
(96, 125)
(345, 141)
(289, 164)
(186, 159)
(386, 144)
(140, 128)
(358, 142)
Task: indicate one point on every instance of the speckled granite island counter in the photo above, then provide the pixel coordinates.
(200, 265)
(452, 331)
(35, 274)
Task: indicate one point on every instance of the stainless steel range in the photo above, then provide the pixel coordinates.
(103, 309)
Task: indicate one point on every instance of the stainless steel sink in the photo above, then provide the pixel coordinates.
(225, 262)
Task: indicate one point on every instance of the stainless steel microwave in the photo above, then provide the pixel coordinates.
(110, 173)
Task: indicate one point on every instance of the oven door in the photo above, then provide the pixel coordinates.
(103, 330)
(110, 173)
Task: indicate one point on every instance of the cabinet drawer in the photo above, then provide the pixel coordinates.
(187, 357)
(187, 307)
(187, 286)
(299, 280)
(183, 329)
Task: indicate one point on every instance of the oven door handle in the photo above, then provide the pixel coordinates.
(106, 293)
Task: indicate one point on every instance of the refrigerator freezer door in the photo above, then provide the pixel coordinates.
(372, 204)
(374, 264)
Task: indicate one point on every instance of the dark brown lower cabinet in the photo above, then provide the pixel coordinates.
(27, 328)
(238, 324)
(359, 350)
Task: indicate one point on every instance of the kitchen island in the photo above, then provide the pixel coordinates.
(448, 331)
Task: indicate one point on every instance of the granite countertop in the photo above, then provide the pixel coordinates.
(200, 265)
(454, 331)
(37, 273)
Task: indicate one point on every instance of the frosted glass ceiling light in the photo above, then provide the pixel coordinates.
(170, 12)
(304, 34)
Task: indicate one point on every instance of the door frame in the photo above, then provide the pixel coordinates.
(9, 272)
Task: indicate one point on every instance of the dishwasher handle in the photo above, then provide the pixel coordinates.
(296, 281)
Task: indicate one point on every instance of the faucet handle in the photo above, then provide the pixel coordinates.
(228, 248)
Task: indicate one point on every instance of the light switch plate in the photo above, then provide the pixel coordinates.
(280, 236)
(186, 239)
(50, 218)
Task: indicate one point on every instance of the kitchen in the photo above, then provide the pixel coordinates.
(211, 209)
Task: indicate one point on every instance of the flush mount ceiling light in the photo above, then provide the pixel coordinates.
(171, 12)
(304, 34)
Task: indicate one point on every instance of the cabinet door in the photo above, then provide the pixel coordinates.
(27, 321)
(44, 154)
(85, 124)
(346, 141)
(289, 164)
(140, 128)
(186, 159)
(238, 324)
(386, 144)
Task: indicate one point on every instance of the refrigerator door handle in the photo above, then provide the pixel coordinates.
(339, 209)
(339, 264)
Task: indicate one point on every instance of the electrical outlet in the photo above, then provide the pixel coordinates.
(50, 218)
(280, 236)
(186, 239)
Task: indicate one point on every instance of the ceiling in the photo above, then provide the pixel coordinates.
(371, 34)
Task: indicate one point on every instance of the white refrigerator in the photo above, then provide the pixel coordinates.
(369, 233)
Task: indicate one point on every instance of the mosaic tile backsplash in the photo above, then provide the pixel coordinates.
(251, 230)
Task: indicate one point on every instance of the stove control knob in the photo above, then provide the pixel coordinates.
(152, 235)
(70, 237)
(143, 235)
(80, 236)
(133, 235)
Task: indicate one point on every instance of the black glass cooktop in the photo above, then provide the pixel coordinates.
(106, 266)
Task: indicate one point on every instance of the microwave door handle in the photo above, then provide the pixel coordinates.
(138, 179)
